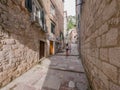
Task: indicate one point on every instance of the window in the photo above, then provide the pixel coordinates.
(52, 28)
(52, 9)
(37, 13)
(78, 21)
(28, 5)
(42, 17)
(61, 36)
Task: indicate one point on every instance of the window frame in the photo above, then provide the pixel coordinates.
(28, 5)
(53, 27)
(52, 9)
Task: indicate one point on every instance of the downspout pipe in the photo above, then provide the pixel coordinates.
(82, 58)
(79, 38)
(81, 4)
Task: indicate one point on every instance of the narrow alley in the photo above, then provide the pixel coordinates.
(59, 44)
(57, 72)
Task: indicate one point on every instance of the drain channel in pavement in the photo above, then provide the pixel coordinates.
(61, 69)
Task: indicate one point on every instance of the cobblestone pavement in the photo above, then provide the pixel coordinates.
(55, 73)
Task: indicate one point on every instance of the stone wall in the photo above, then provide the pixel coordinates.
(19, 40)
(100, 43)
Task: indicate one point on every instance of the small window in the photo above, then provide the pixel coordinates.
(28, 5)
(52, 28)
(61, 36)
(52, 9)
(42, 16)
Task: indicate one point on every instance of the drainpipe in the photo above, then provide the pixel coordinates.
(79, 32)
(79, 38)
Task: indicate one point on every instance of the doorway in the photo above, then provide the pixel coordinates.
(51, 48)
(42, 50)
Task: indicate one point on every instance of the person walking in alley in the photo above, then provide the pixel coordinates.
(70, 48)
(67, 49)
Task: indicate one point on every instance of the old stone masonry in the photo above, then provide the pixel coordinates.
(27, 35)
(35, 33)
(55, 73)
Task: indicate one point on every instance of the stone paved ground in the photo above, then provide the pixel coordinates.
(55, 73)
(73, 51)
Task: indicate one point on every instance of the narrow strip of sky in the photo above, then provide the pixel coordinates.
(69, 6)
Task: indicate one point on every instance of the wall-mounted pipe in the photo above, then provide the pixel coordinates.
(79, 4)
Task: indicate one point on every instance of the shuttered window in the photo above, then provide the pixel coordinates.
(52, 28)
(52, 9)
(42, 18)
(28, 5)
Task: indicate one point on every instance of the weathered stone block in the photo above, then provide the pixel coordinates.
(119, 76)
(98, 64)
(114, 56)
(114, 86)
(6, 81)
(98, 42)
(7, 48)
(104, 80)
(0, 28)
(1, 69)
(8, 41)
(1, 77)
(104, 54)
(96, 83)
(110, 10)
(1, 56)
(103, 40)
(96, 33)
(111, 37)
(4, 75)
(103, 29)
(110, 71)
(94, 72)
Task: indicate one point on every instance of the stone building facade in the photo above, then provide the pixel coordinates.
(24, 37)
(59, 29)
(55, 25)
(100, 42)
(19, 40)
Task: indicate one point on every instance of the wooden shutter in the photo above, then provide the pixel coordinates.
(28, 5)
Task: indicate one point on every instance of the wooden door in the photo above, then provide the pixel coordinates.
(42, 50)
(51, 48)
